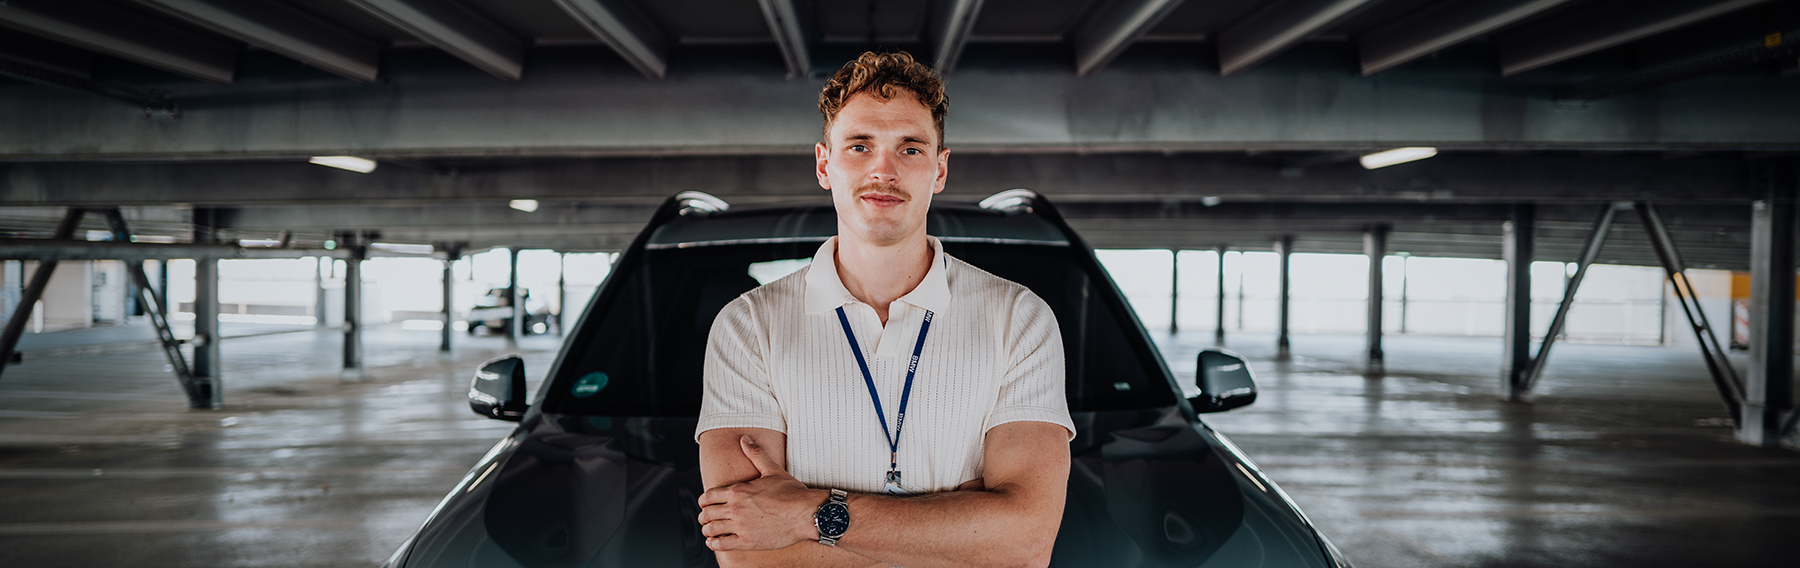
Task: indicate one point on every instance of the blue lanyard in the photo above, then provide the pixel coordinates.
(905, 394)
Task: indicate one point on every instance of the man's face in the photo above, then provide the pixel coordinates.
(882, 164)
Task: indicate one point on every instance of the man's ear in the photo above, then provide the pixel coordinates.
(943, 171)
(822, 155)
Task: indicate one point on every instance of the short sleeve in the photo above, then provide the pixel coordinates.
(736, 378)
(1031, 388)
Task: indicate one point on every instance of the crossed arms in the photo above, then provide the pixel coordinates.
(755, 514)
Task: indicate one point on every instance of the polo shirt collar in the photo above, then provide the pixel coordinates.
(826, 292)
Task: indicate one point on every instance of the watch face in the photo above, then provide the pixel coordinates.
(832, 519)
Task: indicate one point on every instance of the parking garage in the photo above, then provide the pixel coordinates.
(1516, 278)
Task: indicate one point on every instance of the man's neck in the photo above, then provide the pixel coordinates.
(878, 274)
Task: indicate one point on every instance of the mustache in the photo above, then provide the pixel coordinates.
(880, 189)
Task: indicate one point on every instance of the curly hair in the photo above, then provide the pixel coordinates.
(883, 75)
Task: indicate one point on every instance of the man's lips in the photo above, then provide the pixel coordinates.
(881, 199)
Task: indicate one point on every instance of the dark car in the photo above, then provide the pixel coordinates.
(603, 469)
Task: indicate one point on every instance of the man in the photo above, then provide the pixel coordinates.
(917, 401)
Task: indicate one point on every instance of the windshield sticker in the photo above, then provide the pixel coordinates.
(589, 384)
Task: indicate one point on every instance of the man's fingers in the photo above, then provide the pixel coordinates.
(717, 528)
(712, 497)
(764, 465)
(711, 514)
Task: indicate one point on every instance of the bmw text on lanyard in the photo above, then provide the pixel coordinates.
(893, 475)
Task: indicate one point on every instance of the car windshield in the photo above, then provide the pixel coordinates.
(640, 349)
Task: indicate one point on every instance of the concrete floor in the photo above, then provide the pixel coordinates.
(1624, 460)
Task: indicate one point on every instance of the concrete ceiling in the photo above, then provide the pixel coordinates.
(1134, 115)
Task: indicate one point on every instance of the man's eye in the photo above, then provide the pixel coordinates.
(859, 148)
(913, 151)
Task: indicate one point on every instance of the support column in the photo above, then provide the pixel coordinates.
(562, 290)
(321, 272)
(353, 348)
(1768, 389)
(208, 392)
(1405, 263)
(1284, 248)
(517, 328)
(1375, 246)
(1219, 315)
(1174, 291)
(1516, 247)
(451, 254)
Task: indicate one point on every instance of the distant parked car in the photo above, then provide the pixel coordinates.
(494, 311)
(603, 469)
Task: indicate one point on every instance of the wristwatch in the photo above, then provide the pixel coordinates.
(832, 518)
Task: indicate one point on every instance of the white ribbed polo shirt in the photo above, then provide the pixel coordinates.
(777, 358)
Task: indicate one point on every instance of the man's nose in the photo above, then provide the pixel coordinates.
(882, 170)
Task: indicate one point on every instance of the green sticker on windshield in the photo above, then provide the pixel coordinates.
(589, 384)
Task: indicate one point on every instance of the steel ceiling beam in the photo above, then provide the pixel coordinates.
(630, 33)
(285, 30)
(38, 53)
(1603, 27)
(455, 29)
(951, 32)
(790, 37)
(1276, 28)
(1182, 178)
(1445, 26)
(1105, 35)
(106, 29)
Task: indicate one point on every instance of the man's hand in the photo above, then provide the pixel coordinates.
(770, 512)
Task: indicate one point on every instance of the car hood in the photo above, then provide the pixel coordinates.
(1146, 488)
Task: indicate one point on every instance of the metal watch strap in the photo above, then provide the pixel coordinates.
(837, 496)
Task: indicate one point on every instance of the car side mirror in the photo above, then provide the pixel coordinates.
(1224, 380)
(498, 390)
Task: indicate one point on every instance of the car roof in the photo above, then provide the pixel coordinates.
(948, 221)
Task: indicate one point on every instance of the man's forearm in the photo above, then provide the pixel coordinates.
(997, 527)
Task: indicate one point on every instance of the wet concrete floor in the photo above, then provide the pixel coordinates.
(1625, 458)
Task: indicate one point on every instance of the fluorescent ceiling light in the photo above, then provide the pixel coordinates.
(1396, 156)
(526, 205)
(352, 163)
(258, 242)
(403, 248)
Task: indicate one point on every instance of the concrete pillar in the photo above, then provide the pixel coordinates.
(450, 256)
(1284, 248)
(1219, 314)
(208, 390)
(1516, 247)
(321, 272)
(1768, 389)
(562, 290)
(353, 348)
(1174, 291)
(1375, 246)
(1405, 262)
(517, 329)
